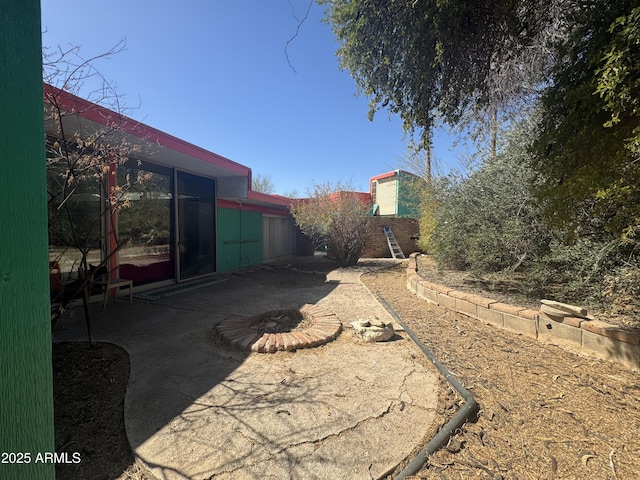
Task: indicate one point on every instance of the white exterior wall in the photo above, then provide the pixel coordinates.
(278, 236)
(387, 196)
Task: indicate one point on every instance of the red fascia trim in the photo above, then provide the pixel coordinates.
(228, 204)
(270, 198)
(364, 197)
(91, 111)
(392, 174)
(384, 175)
(235, 205)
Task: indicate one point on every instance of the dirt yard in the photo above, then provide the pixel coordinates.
(89, 384)
(544, 413)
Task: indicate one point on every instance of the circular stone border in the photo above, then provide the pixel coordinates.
(324, 328)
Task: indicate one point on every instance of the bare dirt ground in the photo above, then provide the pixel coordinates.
(545, 413)
(89, 384)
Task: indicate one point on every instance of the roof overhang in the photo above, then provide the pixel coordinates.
(382, 176)
(85, 118)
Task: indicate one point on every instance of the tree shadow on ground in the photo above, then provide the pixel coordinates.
(173, 360)
(89, 385)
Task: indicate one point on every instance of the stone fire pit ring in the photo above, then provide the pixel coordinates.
(318, 326)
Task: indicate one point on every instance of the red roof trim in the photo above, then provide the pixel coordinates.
(91, 111)
(384, 175)
(235, 205)
(270, 198)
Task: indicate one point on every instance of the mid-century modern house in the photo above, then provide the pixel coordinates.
(188, 212)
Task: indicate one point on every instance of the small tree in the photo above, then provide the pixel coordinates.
(262, 183)
(81, 156)
(337, 217)
(421, 163)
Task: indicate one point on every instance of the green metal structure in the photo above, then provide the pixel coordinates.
(239, 239)
(26, 385)
(407, 204)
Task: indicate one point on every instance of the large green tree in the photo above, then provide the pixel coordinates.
(587, 150)
(477, 62)
(457, 60)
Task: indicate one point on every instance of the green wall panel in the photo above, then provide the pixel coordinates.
(239, 239)
(26, 388)
(408, 205)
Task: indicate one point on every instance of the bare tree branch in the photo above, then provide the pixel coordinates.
(300, 22)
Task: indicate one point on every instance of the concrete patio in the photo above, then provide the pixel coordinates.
(196, 408)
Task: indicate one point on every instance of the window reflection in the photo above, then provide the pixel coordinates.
(145, 222)
(74, 201)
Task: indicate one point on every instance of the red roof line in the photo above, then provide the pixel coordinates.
(268, 197)
(384, 175)
(94, 112)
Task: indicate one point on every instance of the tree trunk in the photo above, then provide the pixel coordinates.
(85, 303)
(494, 132)
(428, 162)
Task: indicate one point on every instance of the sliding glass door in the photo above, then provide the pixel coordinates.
(145, 225)
(196, 225)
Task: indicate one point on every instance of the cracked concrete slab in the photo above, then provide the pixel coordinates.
(197, 409)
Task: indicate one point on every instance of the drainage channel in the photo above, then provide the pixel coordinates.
(466, 412)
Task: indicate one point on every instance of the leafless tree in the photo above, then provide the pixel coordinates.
(336, 216)
(81, 154)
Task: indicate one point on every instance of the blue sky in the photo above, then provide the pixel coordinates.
(215, 74)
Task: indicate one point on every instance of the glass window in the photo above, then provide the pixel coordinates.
(75, 223)
(196, 229)
(145, 222)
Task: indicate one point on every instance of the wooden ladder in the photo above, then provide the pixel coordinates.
(394, 247)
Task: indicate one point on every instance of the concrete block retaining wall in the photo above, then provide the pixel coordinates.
(577, 334)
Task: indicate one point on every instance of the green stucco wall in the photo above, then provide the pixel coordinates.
(408, 204)
(239, 239)
(26, 390)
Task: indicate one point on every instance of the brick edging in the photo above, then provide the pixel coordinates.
(578, 334)
(324, 327)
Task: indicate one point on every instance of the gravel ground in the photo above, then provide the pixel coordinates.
(545, 413)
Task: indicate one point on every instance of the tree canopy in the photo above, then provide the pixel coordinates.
(470, 62)
(426, 60)
(587, 146)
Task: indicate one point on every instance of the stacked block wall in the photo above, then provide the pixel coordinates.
(584, 336)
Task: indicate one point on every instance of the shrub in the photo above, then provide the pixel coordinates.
(489, 221)
(336, 217)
